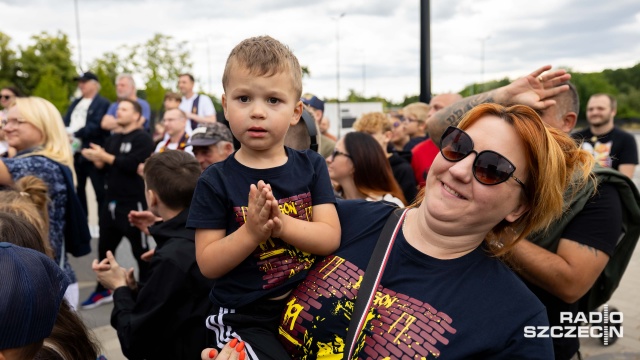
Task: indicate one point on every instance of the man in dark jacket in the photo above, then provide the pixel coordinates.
(83, 126)
(164, 319)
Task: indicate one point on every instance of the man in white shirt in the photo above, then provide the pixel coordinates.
(174, 122)
(198, 107)
(83, 126)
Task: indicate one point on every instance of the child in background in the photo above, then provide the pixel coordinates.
(263, 213)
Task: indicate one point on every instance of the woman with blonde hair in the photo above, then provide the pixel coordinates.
(34, 127)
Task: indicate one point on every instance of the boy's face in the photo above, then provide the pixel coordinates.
(260, 109)
(170, 104)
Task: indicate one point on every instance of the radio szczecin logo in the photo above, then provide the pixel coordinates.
(605, 325)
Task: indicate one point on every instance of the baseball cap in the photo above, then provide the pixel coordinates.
(314, 102)
(86, 76)
(210, 134)
(31, 291)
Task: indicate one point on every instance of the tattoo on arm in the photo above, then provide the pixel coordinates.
(451, 115)
(591, 249)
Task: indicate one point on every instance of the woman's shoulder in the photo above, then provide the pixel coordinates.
(40, 166)
(361, 214)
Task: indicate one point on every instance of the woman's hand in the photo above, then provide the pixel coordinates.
(234, 350)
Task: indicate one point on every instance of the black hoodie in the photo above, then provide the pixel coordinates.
(166, 318)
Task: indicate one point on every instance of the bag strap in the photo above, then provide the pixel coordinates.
(371, 279)
(194, 110)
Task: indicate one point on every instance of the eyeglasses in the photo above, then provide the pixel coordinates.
(12, 121)
(337, 152)
(6, 97)
(396, 124)
(489, 167)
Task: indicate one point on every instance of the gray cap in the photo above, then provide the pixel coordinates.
(210, 134)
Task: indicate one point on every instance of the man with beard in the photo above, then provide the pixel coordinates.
(611, 146)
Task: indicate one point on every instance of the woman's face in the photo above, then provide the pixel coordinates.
(457, 204)
(6, 98)
(19, 133)
(340, 164)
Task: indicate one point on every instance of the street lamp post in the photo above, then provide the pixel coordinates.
(483, 40)
(339, 120)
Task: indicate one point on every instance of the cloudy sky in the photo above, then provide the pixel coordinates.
(379, 39)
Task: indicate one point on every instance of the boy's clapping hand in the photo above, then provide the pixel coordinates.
(259, 221)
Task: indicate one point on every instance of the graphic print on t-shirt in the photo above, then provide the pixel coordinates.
(397, 325)
(278, 260)
(601, 152)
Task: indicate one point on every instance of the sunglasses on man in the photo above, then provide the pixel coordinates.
(489, 167)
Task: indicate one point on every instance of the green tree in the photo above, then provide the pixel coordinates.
(8, 61)
(588, 84)
(49, 53)
(51, 87)
(159, 61)
(107, 84)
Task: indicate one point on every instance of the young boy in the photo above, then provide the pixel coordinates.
(163, 320)
(259, 248)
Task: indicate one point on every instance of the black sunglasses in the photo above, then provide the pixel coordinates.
(6, 97)
(489, 167)
(337, 152)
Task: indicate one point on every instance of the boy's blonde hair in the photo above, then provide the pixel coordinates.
(264, 56)
(373, 122)
(419, 110)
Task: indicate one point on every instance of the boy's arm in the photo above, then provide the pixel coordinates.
(218, 254)
(320, 236)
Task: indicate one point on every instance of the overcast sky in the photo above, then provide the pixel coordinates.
(379, 39)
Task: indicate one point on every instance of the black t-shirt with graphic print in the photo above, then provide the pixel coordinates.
(464, 308)
(130, 150)
(610, 150)
(220, 202)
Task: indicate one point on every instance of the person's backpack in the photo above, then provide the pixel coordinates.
(610, 277)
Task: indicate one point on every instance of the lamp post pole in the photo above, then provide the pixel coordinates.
(483, 40)
(339, 120)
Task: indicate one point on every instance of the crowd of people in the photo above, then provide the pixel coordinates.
(265, 227)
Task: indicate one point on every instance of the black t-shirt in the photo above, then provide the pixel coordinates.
(413, 142)
(469, 307)
(131, 149)
(220, 201)
(403, 173)
(598, 225)
(610, 150)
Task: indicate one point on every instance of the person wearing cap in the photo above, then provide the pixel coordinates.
(83, 123)
(30, 298)
(316, 108)
(211, 144)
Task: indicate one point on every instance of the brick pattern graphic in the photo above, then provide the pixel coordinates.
(398, 326)
(278, 260)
